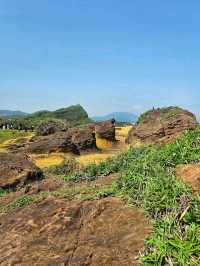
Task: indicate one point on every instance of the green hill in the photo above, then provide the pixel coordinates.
(74, 115)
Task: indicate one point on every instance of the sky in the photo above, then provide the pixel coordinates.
(108, 55)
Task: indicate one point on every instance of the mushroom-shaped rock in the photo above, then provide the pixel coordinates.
(105, 130)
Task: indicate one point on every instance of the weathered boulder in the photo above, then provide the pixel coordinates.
(58, 142)
(105, 130)
(17, 170)
(84, 141)
(190, 174)
(161, 125)
(74, 140)
(76, 233)
(51, 126)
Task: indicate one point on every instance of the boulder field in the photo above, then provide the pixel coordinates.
(73, 140)
(161, 125)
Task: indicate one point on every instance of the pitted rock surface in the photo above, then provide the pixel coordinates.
(17, 170)
(161, 126)
(75, 233)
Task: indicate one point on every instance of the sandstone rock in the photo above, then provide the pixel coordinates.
(105, 130)
(84, 141)
(75, 233)
(161, 125)
(74, 140)
(191, 175)
(58, 142)
(17, 170)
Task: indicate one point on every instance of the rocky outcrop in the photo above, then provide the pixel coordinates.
(74, 140)
(16, 170)
(105, 130)
(84, 141)
(190, 174)
(76, 233)
(161, 125)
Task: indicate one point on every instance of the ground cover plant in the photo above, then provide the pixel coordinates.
(147, 176)
(23, 201)
(12, 134)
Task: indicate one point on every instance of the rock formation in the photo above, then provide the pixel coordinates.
(17, 170)
(191, 175)
(74, 140)
(61, 232)
(105, 130)
(161, 125)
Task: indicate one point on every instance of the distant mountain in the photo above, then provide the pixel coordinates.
(118, 116)
(12, 114)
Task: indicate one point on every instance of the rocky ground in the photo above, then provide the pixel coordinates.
(45, 220)
(61, 232)
(65, 228)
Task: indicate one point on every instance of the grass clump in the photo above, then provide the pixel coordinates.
(3, 192)
(12, 134)
(111, 165)
(151, 184)
(64, 168)
(23, 201)
(147, 176)
(84, 193)
(104, 168)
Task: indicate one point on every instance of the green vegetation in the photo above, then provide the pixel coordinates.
(147, 176)
(92, 171)
(65, 168)
(12, 134)
(84, 193)
(75, 115)
(3, 192)
(23, 201)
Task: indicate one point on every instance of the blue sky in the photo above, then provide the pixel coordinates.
(108, 55)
